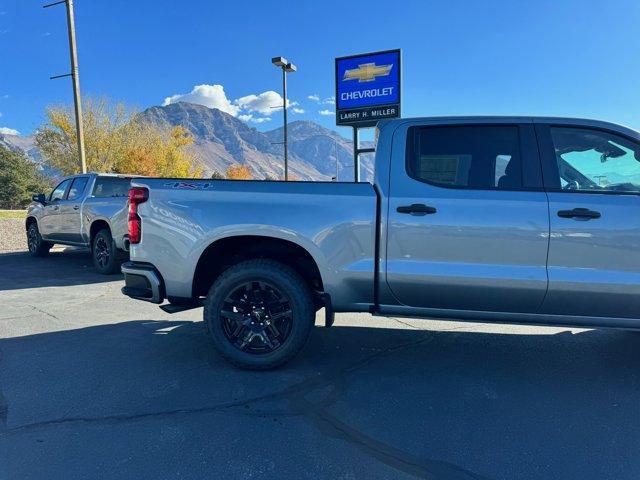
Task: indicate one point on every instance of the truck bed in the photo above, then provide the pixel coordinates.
(335, 222)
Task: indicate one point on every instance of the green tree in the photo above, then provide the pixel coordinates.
(19, 180)
(217, 175)
(116, 141)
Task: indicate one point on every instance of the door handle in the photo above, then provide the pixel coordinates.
(76, 207)
(56, 207)
(579, 213)
(418, 209)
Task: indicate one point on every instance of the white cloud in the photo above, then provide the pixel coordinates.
(326, 112)
(9, 131)
(247, 108)
(297, 110)
(211, 96)
(250, 118)
(264, 103)
(327, 101)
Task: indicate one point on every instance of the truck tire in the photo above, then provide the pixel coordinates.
(37, 246)
(106, 259)
(259, 314)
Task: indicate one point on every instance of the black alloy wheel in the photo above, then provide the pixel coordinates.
(37, 246)
(106, 257)
(102, 252)
(259, 314)
(256, 317)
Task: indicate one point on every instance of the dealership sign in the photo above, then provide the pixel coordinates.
(367, 88)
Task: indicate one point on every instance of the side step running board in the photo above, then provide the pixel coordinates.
(173, 308)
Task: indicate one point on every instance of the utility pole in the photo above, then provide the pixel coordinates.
(76, 79)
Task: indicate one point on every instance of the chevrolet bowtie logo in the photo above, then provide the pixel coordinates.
(367, 72)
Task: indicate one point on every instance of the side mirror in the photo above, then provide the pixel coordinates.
(40, 198)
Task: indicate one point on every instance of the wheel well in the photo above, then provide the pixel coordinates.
(224, 253)
(29, 221)
(95, 228)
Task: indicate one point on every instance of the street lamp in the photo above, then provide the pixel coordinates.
(286, 67)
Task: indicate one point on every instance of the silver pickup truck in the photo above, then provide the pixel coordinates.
(511, 219)
(83, 210)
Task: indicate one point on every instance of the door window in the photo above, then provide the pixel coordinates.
(59, 191)
(595, 161)
(77, 188)
(473, 157)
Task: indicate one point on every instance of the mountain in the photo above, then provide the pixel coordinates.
(320, 146)
(18, 143)
(25, 144)
(221, 140)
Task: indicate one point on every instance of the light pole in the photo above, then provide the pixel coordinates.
(286, 67)
(75, 76)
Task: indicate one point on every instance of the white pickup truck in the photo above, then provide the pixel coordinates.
(508, 219)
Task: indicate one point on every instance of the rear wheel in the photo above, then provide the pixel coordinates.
(259, 314)
(106, 259)
(37, 246)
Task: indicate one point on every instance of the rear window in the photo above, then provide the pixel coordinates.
(111, 187)
(473, 157)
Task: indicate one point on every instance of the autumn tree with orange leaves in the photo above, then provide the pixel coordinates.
(116, 141)
(239, 172)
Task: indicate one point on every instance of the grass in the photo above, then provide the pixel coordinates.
(12, 213)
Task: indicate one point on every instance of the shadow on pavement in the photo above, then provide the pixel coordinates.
(72, 266)
(380, 403)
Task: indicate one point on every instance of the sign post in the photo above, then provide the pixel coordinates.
(367, 90)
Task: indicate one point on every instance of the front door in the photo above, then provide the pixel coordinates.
(593, 182)
(70, 212)
(468, 219)
(49, 223)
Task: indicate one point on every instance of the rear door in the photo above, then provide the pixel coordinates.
(468, 218)
(70, 211)
(49, 224)
(593, 182)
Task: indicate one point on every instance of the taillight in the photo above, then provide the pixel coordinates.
(137, 195)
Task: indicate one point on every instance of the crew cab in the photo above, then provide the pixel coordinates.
(492, 219)
(88, 210)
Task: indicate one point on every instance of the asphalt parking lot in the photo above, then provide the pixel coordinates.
(94, 385)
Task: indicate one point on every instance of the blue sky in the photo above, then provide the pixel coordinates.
(574, 58)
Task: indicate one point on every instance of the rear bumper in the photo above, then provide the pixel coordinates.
(143, 282)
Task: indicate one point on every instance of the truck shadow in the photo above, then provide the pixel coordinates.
(444, 404)
(71, 266)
